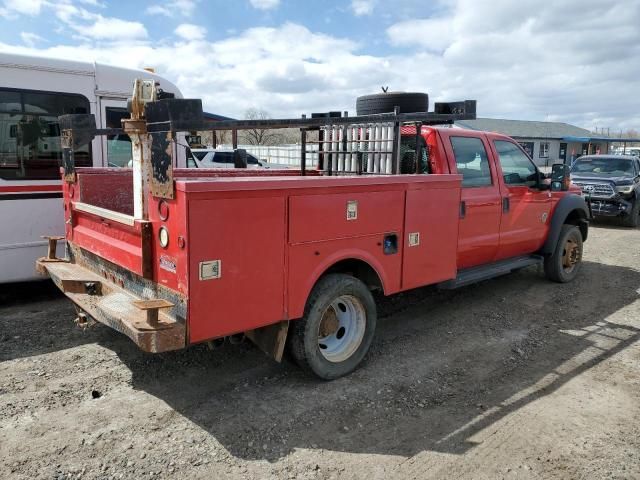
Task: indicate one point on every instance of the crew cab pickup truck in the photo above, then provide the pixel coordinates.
(290, 258)
(612, 183)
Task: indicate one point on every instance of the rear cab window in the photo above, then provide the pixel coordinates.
(472, 161)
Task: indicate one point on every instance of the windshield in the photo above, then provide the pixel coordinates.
(609, 167)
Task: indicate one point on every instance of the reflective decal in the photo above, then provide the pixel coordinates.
(168, 263)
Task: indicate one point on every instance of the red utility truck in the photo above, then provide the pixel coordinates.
(290, 258)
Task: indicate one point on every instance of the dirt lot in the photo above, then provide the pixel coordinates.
(513, 378)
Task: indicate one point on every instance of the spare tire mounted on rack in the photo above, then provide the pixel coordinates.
(409, 102)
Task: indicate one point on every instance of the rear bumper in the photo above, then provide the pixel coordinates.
(110, 304)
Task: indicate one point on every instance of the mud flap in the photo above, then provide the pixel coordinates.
(270, 339)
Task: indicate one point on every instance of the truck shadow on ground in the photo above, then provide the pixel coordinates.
(36, 319)
(445, 366)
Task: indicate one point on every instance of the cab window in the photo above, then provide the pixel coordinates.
(517, 168)
(471, 161)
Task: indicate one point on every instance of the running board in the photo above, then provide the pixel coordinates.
(492, 270)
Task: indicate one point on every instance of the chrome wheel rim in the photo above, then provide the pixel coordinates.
(342, 328)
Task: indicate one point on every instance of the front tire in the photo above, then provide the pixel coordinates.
(633, 218)
(337, 328)
(563, 265)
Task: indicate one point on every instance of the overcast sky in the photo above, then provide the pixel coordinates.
(568, 60)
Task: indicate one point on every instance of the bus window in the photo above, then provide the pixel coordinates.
(29, 134)
(118, 146)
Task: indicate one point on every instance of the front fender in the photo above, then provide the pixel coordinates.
(570, 205)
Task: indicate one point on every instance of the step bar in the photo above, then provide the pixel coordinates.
(485, 272)
(150, 322)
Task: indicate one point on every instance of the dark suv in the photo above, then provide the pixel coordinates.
(613, 184)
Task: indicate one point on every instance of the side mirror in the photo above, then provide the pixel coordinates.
(542, 184)
(512, 178)
(560, 177)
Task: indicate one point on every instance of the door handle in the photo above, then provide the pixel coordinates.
(463, 209)
(505, 204)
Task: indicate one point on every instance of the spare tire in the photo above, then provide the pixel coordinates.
(409, 102)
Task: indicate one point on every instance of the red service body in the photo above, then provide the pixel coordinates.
(239, 251)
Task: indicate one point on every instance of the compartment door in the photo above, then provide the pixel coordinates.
(236, 265)
(431, 236)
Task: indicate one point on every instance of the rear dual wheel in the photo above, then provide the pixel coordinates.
(337, 329)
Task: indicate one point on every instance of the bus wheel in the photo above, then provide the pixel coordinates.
(337, 328)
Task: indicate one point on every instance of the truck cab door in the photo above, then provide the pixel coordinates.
(480, 207)
(525, 208)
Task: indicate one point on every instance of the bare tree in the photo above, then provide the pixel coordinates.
(222, 137)
(260, 136)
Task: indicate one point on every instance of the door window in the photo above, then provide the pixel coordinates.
(119, 152)
(223, 157)
(471, 161)
(30, 136)
(199, 155)
(517, 168)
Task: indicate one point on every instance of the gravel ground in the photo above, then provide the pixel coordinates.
(512, 378)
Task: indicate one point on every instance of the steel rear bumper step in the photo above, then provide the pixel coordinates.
(145, 321)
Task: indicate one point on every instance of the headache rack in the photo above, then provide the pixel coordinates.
(360, 145)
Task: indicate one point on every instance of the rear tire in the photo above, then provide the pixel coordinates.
(563, 265)
(633, 218)
(385, 102)
(337, 328)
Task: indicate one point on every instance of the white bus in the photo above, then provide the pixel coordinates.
(34, 91)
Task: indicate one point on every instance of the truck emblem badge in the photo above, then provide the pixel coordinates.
(414, 239)
(352, 210)
(167, 263)
(543, 218)
(210, 270)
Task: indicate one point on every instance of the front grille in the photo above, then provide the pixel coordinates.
(596, 189)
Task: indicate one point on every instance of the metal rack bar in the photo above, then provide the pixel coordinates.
(427, 118)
